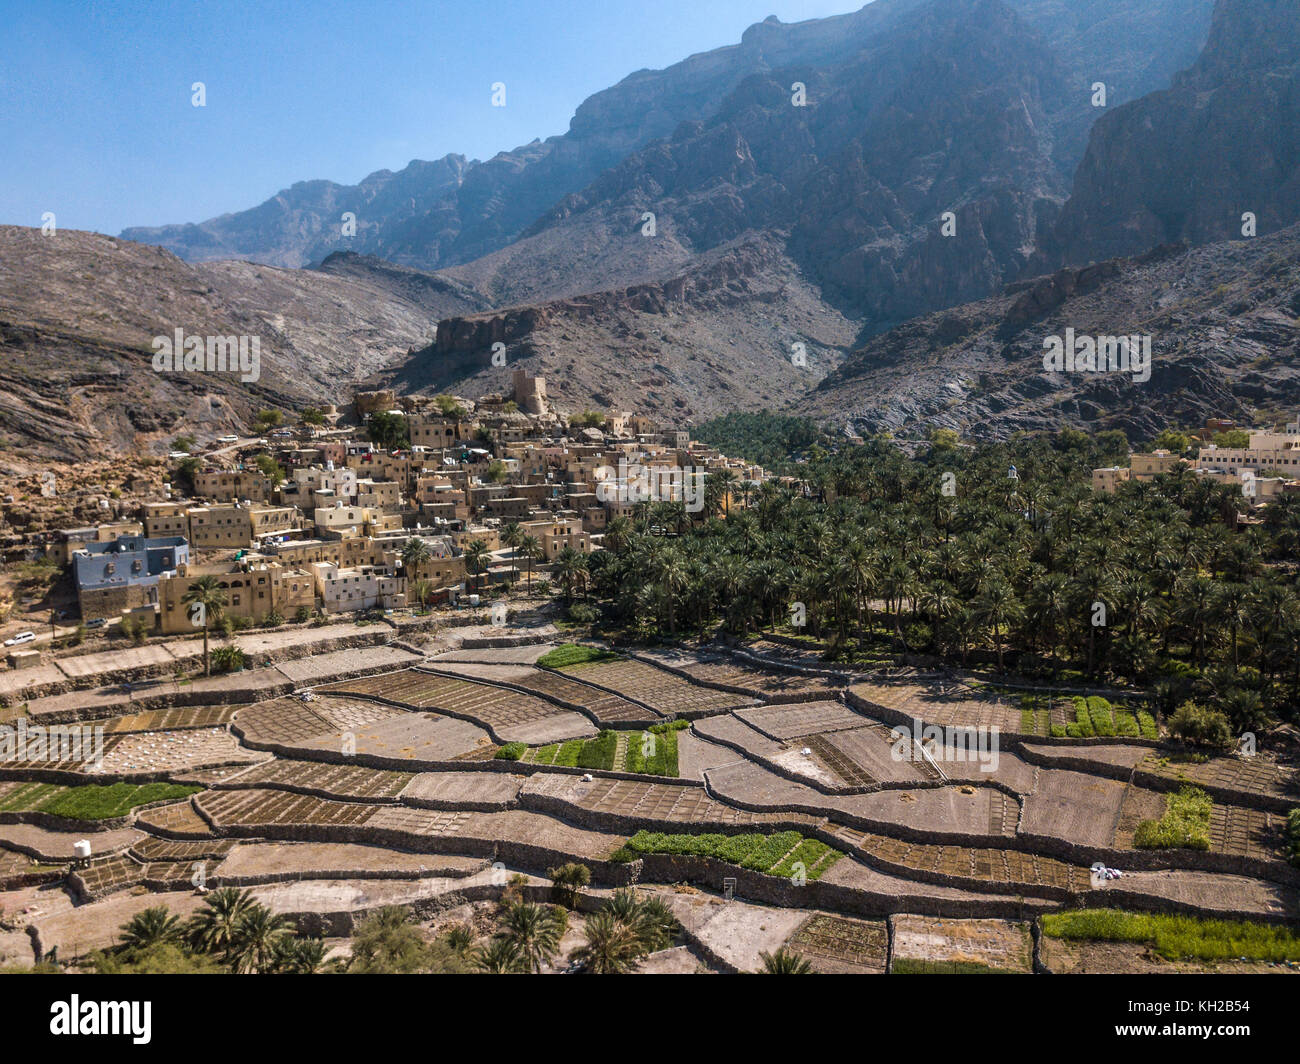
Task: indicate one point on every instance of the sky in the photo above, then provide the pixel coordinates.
(97, 123)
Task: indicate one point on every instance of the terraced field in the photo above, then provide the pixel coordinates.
(506, 713)
(771, 684)
(794, 790)
(606, 709)
(665, 692)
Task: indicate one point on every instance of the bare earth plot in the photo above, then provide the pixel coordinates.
(251, 861)
(522, 655)
(321, 667)
(837, 945)
(783, 722)
(1001, 945)
(1074, 806)
(960, 707)
(469, 790)
(769, 684)
(410, 736)
(957, 808)
(665, 692)
(608, 710)
(163, 751)
(507, 714)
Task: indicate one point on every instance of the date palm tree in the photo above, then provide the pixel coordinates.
(612, 946)
(205, 601)
(476, 557)
(415, 553)
(535, 931)
(213, 928)
(512, 534)
(784, 962)
(571, 571)
(531, 548)
(258, 940)
(998, 609)
(156, 926)
(498, 957)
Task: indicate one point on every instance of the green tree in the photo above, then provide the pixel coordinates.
(155, 926)
(535, 932)
(205, 601)
(259, 940)
(477, 557)
(784, 962)
(212, 928)
(388, 430)
(568, 880)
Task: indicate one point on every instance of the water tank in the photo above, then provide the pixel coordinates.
(81, 848)
(473, 600)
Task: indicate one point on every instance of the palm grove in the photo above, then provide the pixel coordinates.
(1000, 555)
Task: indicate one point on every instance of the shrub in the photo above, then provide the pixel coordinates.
(227, 659)
(1082, 719)
(598, 752)
(1197, 724)
(512, 751)
(583, 613)
(1292, 834)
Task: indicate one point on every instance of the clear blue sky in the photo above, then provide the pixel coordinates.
(96, 122)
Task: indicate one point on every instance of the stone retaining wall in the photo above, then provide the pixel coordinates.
(115, 677)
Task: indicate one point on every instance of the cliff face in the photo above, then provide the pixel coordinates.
(432, 215)
(1187, 163)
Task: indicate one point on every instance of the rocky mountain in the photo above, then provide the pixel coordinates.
(719, 335)
(451, 212)
(79, 311)
(1224, 325)
(766, 225)
(1188, 163)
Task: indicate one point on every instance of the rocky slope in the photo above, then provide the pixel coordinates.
(1224, 320)
(717, 336)
(79, 311)
(1187, 163)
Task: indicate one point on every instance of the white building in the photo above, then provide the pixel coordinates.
(1267, 450)
(363, 588)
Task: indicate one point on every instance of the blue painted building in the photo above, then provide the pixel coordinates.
(123, 573)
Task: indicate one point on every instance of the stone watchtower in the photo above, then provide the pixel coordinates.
(529, 392)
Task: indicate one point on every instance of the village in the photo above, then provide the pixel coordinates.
(316, 520)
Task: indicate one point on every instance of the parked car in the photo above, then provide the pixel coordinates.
(97, 622)
(21, 637)
(229, 437)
